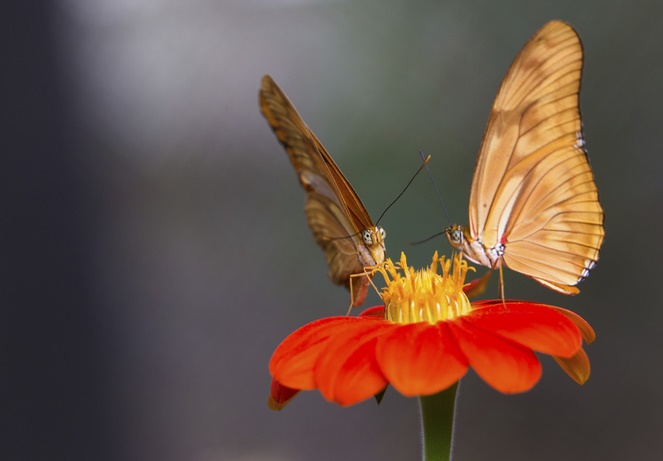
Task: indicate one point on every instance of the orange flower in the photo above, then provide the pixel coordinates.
(424, 340)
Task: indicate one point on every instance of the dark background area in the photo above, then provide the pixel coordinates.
(155, 250)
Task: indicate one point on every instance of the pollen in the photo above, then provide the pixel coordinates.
(425, 295)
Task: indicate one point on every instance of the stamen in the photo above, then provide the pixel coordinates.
(425, 295)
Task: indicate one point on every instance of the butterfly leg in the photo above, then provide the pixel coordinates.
(500, 286)
(352, 295)
(368, 273)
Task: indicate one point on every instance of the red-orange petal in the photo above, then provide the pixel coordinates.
(420, 358)
(577, 367)
(503, 364)
(280, 395)
(293, 360)
(535, 326)
(376, 312)
(347, 371)
(586, 330)
(477, 286)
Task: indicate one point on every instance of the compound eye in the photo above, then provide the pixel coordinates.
(456, 236)
(383, 234)
(367, 237)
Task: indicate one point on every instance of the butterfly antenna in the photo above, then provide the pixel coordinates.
(406, 186)
(439, 197)
(426, 239)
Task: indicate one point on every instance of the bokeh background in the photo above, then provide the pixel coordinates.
(155, 249)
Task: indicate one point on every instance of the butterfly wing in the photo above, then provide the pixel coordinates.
(334, 211)
(343, 255)
(533, 195)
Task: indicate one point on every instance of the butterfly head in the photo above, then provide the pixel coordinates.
(462, 241)
(373, 239)
(373, 236)
(456, 236)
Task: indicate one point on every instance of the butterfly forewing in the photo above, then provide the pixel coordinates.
(533, 195)
(334, 212)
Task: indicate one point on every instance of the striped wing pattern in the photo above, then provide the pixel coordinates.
(533, 199)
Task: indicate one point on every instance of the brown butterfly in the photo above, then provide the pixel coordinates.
(534, 205)
(339, 221)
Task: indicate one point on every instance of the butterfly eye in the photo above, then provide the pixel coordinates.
(455, 235)
(383, 234)
(367, 237)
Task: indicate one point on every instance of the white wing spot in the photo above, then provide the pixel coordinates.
(580, 141)
(589, 265)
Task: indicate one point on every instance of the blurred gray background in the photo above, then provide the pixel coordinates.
(155, 250)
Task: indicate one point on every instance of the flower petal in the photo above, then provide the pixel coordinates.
(420, 358)
(347, 371)
(577, 367)
(375, 311)
(535, 326)
(477, 286)
(503, 364)
(292, 362)
(586, 330)
(280, 395)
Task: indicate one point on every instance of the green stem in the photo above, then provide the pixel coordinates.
(437, 420)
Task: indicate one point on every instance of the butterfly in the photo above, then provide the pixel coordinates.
(534, 204)
(338, 219)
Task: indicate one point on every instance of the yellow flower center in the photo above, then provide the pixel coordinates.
(424, 295)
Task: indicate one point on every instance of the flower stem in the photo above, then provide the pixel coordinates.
(437, 420)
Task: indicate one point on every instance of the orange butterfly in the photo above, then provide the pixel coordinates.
(534, 204)
(339, 221)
